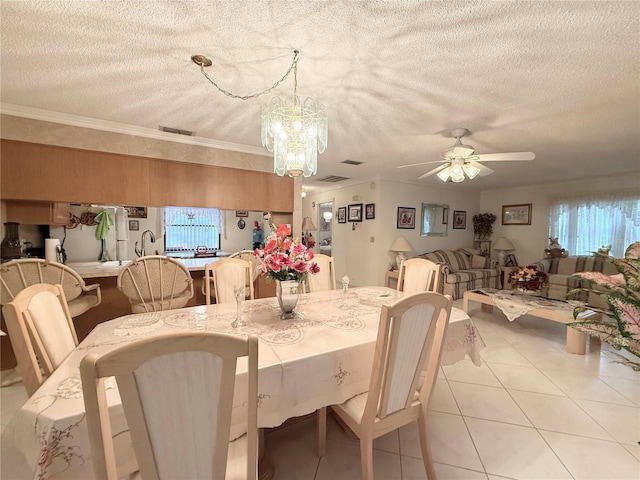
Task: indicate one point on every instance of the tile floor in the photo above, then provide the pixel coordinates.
(531, 411)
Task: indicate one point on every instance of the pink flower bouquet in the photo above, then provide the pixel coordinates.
(284, 259)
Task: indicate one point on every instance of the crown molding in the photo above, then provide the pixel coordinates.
(115, 127)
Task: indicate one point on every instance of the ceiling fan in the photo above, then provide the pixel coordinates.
(459, 160)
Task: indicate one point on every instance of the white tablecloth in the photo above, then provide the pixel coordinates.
(322, 357)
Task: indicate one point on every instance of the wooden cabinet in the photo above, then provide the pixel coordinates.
(37, 213)
(59, 174)
(59, 213)
(48, 173)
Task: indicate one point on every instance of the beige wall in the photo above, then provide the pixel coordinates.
(531, 240)
(364, 253)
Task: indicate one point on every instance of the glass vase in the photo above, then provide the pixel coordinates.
(287, 295)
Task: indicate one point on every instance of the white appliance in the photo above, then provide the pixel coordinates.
(122, 234)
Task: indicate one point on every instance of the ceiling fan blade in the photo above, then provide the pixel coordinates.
(462, 151)
(501, 157)
(435, 170)
(417, 164)
(484, 171)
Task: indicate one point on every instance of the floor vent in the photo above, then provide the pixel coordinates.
(332, 179)
(176, 130)
(351, 162)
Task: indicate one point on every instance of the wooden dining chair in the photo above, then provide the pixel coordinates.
(410, 338)
(419, 275)
(41, 331)
(248, 256)
(154, 283)
(177, 394)
(325, 279)
(227, 274)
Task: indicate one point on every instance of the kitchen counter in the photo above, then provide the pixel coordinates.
(112, 268)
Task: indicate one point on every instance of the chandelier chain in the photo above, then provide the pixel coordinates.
(293, 67)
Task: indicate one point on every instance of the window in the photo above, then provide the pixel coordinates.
(583, 223)
(186, 229)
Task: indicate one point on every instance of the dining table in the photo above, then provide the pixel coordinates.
(322, 356)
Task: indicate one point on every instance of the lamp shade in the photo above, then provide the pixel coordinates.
(400, 245)
(307, 225)
(503, 244)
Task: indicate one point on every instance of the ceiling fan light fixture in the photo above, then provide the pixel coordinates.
(444, 173)
(457, 178)
(471, 170)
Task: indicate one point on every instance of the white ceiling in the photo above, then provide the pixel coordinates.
(561, 79)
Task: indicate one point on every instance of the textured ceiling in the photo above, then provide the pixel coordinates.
(561, 79)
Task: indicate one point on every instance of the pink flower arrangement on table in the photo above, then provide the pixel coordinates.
(529, 278)
(621, 292)
(285, 259)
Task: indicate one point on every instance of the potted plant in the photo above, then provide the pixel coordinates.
(483, 225)
(620, 324)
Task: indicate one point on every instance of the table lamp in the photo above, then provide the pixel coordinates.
(307, 227)
(400, 245)
(502, 245)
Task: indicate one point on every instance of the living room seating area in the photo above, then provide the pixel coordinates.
(561, 281)
(463, 270)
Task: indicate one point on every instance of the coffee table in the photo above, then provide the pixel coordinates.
(576, 340)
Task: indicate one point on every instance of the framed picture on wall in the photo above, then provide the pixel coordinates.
(406, 217)
(134, 225)
(355, 213)
(459, 219)
(242, 213)
(516, 214)
(342, 215)
(370, 211)
(136, 212)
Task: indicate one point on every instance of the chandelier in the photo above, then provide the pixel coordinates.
(294, 130)
(457, 169)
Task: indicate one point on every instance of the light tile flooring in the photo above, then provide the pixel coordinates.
(531, 411)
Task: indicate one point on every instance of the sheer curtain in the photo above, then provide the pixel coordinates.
(583, 223)
(188, 228)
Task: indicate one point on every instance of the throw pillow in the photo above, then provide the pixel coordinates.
(478, 261)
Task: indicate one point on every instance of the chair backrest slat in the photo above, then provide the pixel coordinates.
(19, 274)
(183, 432)
(411, 332)
(155, 282)
(41, 331)
(225, 275)
(419, 275)
(325, 279)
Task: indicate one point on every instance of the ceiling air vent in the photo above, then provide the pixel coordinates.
(176, 130)
(332, 179)
(352, 162)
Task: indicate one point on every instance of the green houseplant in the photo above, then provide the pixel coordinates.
(483, 225)
(620, 326)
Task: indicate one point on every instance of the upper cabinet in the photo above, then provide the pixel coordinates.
(37, 213)
(47, 172)
(50, 173)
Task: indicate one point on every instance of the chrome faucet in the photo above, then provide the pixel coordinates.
(141, 252)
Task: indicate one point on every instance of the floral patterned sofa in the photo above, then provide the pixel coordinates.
(561, 281)
(463, 270)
